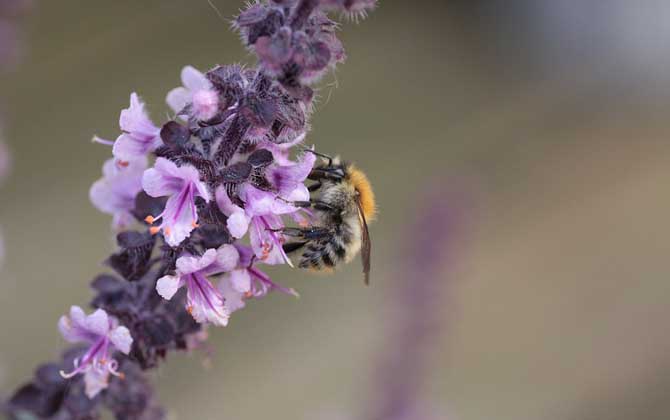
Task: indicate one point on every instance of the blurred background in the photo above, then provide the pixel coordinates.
(544, 124)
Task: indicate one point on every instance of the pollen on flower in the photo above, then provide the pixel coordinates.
(154, 230)
(123, 163)
(194, 225)
(150, 219)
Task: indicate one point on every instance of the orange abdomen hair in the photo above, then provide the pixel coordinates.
(361, 183)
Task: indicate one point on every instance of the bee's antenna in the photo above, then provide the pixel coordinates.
(321, 155)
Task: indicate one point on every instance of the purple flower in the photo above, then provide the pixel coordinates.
(247, 281)
(263, 209)
(198, 92)
(203, 301)
(182, 185)
(115, 192)
(140, 135)
(104, 336)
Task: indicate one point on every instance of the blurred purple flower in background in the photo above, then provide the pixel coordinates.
(10, 35)
(115, 192)
(231, 141)
(5, 162)
(421, 289)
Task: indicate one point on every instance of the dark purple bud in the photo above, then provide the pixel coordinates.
(259, 112)
(213, 235)
(155, 331)
(302, 12)
(78, 405)
(266, 27)
(275, 51)
(132, 262)
(256, 13)
(31, 400)
(290, 113)
(228, 80)
(145, 205)
(235, 173)
(106, 283)
(312, 57)
(48, 376)
(174, 134)
(355, 8)
(133, 397)
(260, 158)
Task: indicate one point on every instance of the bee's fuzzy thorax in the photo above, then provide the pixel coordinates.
(361, 183)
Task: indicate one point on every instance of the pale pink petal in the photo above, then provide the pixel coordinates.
(178, 98)
(102, 197)
(77, 316)
(227, 257)
(240, 280)
(188, 264)
(238, 224)
(193, 79)
(127, 147)
(122, 220)
(234, 300)
(120, 337)
(95, 380)
(256, 202)
(135, 121)
(98, 322)
(167, 286)
(224, 202)
(205, 104)
(156, 184)
(286, 177)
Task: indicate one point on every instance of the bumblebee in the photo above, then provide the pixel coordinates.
(343, 204)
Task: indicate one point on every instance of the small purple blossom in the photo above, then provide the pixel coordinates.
(182, 185)
(203, 301)
(140, 136)
(247, 281)
(197, 92)
(115, 192)
(104, 336)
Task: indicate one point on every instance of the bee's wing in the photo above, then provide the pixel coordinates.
(366, 245)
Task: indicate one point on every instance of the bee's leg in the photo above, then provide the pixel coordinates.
(293, 246)
(309, 233)
(320, 205)
(318, 174)
(315, 204)
(314, 186)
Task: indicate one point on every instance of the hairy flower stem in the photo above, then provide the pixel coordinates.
(187, 196)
